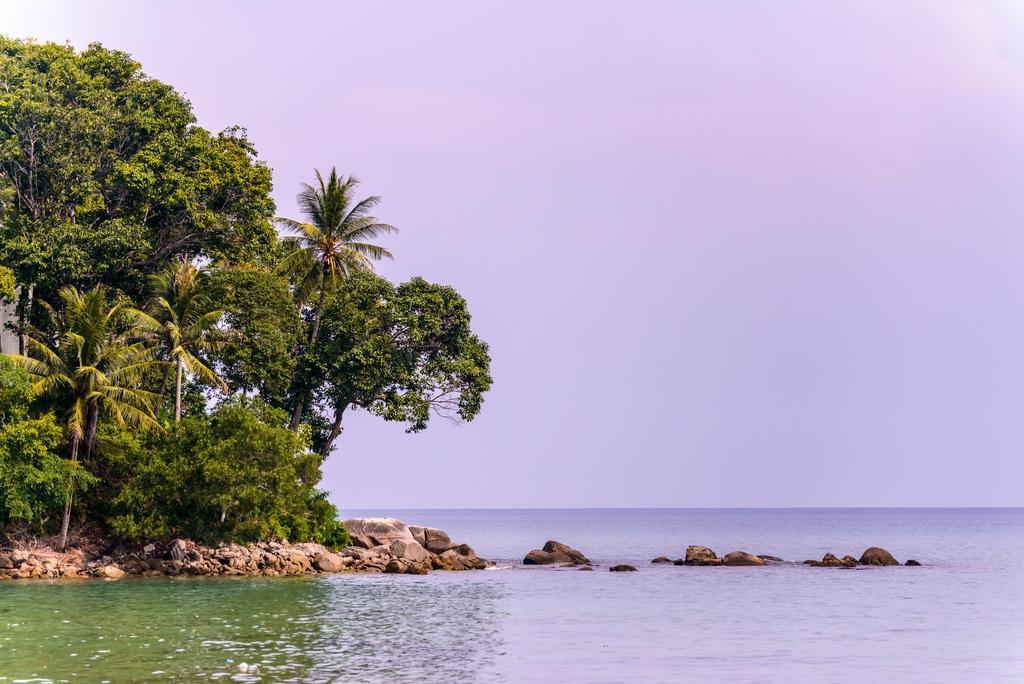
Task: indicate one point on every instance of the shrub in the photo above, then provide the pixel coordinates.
(236, 475)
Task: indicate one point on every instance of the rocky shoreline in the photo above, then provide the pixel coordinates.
(381, 545)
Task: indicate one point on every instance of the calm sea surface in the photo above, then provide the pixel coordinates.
(960, 618)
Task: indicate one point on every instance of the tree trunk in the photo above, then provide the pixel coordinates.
(177, 393)
(90, 429)
(335, 430)
(300, 401)
(67, 505)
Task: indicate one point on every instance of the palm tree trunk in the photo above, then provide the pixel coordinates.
(90, 429)
(67, 505)
(177, 393)
(325, 451)
(300, 401)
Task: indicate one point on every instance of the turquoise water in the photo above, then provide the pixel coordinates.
(960, 618)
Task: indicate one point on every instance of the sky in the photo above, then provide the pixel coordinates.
(725, 254)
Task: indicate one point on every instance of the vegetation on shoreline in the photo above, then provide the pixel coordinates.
(183, 370)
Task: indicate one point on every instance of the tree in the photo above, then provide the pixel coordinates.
(105, 176)
(33, 477)
(185, 322)
(403, 353)
(92, 369)
(329, 247)
(258, 309)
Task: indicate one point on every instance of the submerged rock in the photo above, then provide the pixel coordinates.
(622, 568)
(662, 560)
(877, 556)
(913, 562)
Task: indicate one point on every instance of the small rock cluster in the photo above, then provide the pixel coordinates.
(702, 555)
(379, 545)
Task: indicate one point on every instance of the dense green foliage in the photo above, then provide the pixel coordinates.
(33, 477)
(186, 369)
(403, 353)
(107, 176)
(238, 473)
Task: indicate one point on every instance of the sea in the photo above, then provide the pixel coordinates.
(957, 618)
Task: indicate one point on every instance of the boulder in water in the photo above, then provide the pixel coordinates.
(622, 568)
(554, 553)
(662, 560)
(877, 556)
(913, 562)
(738, 558)
(700, 555)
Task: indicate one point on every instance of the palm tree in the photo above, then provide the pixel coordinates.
(93, 368)
(330, 246)
(185, 322)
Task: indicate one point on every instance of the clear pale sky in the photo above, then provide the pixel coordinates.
(746, 254)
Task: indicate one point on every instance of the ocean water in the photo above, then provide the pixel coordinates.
(959, 618)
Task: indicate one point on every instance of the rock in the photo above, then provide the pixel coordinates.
(18, 557)
(586, 568)
(417, 534)
(737, 558)
(830, 561)
(110, 572)
(437, 541)
(6, 562)
(700, 555)
(148, 549)
(329, 562)
(877, 556)
(662, 560)
(770, 559)
(622, 568)
(913, 562)
(409, 550)
(396, 566)
(370, 532)
(555, 552)
(178, 550)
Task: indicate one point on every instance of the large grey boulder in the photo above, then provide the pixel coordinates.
(435, 540)
(554, 553)
(371, 532)
(178, 550)
(329, 562)
(409, 550)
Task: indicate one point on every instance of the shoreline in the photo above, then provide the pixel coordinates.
(379, 545)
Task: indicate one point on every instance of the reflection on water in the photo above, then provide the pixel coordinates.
(342, 628)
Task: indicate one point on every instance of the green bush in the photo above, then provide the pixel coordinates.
(236, 475)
